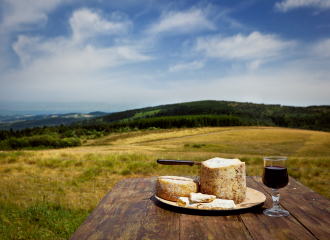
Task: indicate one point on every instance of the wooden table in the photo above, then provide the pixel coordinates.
(129, 211)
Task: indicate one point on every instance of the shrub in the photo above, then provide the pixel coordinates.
(127, 129)
(15, 143)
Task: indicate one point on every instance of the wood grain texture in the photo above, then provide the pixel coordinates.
(212, 227)
(129, 211)
(261, 226)
(119, 213)
(310, 208)
(159, 223)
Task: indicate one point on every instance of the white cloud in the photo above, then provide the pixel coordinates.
(288, 86)
(88, 59)
(182, 22)
(73, 52)
(287, 5)
(61, 67)
(85, 23)
(254, 64)
(186, 66)
(95, 62)
(252, 47)
(17, 14)
(322, 48)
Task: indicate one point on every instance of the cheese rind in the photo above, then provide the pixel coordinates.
(201, 198)
(224, 178)
(173, 187)
(183, 201)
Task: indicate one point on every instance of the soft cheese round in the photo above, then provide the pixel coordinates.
(173, 187)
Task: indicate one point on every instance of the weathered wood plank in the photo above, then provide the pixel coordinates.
(159, 222)
(261, 226)
(310, 208)
(212, 227)
(129, 211)
(119, 213)
(92, 221)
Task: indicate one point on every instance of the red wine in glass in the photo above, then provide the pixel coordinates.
(275, 176)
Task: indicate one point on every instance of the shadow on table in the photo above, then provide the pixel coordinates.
(255, 210)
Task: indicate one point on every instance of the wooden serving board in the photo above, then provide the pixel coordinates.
(253, 198)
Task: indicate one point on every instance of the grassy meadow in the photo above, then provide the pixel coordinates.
(48, 193)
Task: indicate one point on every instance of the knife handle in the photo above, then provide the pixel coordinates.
(175, 162)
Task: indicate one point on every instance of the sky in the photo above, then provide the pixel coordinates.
(130, 54)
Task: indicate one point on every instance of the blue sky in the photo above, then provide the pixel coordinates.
(132, 54)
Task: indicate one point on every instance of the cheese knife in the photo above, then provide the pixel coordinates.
(177, 162)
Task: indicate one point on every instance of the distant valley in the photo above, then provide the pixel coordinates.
(18, 122)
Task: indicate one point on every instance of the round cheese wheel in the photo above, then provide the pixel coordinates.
(173, 187)
(224, 178)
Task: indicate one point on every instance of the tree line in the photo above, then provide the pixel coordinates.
(312, 117)
(70, 135)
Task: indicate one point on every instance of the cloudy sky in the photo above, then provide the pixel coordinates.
(131, 54)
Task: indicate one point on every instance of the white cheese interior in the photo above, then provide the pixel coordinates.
(218, 204)
(201, 198)
(220, 162)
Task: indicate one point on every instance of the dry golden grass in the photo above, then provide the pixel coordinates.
(80, 177)
(318, 144)
(153, 135)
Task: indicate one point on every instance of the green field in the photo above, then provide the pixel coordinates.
(47, 194)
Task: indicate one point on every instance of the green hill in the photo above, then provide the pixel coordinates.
(311, 117)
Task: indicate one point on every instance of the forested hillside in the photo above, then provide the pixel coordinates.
(312, 117)
(188, 115)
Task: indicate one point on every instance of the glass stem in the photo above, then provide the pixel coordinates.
(276, 198)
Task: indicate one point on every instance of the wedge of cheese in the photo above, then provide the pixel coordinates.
(218, 204)
(185, 202)
(224, 178)
(201, 198)
(173, 187)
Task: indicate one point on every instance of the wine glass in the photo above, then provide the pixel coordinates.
(275, 176)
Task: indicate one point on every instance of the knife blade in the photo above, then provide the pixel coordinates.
(177, 162)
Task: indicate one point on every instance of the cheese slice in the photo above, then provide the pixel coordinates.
(185, 202)
(218, 204)
(201, 198)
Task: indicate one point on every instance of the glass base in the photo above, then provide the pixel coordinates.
(276, 212)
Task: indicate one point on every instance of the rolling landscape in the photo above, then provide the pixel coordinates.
(65, 171)
(181, 115)
(94, 92)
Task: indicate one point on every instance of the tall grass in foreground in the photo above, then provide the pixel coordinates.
(39, 221)
(82, 181)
